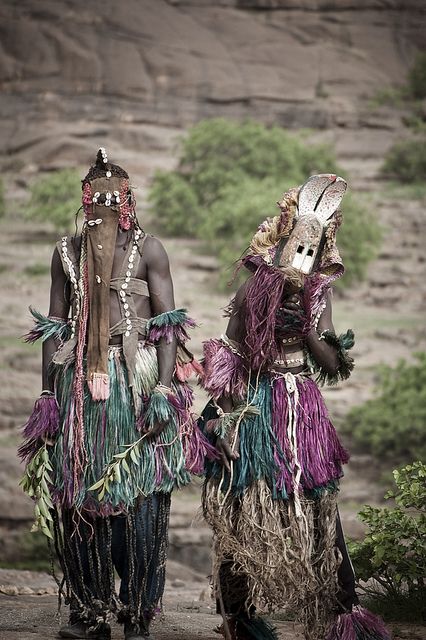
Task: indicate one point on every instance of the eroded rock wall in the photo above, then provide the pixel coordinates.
(136, 71)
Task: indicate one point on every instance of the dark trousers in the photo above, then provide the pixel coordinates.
(135, 545)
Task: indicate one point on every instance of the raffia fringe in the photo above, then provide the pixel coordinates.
(290, 563)
(224, 370)
(342, 344)
(359, 624)
(46, 327)
(169, 325)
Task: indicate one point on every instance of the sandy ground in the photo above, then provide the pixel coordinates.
(189, 613)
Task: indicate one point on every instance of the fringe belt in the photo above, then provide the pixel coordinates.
(110, 426)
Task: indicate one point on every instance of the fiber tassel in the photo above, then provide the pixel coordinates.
(224, 370)
(185, 370)
(46, 327)
(255, 628)
(360, 624)
(346, 364)
(169, 325)
(159, 408)
(43, 422)
(98, 384)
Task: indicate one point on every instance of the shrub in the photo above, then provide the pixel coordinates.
(229, 178)
(393, 553)
(391, 426)
(406, 160)
(417, 77)
(55, 198)
(37, 269)
(2, 202)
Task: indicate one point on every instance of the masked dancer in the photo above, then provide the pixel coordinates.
(271, 499)
(112, 432)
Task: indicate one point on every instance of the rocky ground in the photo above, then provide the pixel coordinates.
(30, 610)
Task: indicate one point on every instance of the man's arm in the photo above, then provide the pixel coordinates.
(235, 331)
(324, 354)
(160, 287)
(58, 308)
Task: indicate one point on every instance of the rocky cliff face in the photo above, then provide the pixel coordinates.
(132, 73)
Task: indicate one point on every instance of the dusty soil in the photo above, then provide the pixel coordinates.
(30, 611)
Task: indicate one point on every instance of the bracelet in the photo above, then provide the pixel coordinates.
(163, 389)
(46, 392)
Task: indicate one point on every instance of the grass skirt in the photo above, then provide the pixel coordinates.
(109, 427)
(274, 515)
(126, 529)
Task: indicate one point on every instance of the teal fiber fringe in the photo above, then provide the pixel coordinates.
(109, 427)
(46, 328)
(255, 628)
(256, 459)
(159, 408)
(168, 318)
(227, 421)
(343, 344)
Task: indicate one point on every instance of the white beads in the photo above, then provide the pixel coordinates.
(126, 282)
(104, 155)
(74, 284)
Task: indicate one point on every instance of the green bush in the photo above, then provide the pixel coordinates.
(392, 426)
(230, 176)
(393, 553)
(2, 202)
(55, 198)
(406, 161)
(417, 77)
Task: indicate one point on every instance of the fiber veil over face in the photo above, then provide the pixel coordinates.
(108, 204)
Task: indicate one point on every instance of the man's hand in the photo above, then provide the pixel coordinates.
(226, 453)
(291, 311)
(155, 430)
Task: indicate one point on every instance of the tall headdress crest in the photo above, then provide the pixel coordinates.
(319, 199)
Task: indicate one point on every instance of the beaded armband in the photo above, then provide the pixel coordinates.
(169, 325)
(46, 327)
(342, 344)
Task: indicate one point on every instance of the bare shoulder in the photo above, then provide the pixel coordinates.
(154, 249)
(156, 258)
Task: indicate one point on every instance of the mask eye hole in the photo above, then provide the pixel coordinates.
(310, 253)
(300, 248)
